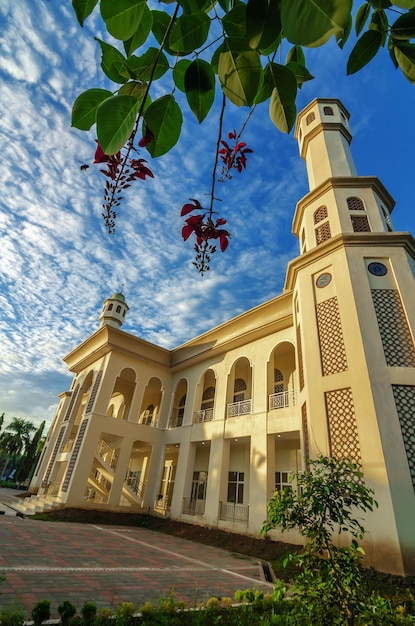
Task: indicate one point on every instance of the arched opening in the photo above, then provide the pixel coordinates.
(280, 377)
(150, 406)
(122, 395)
(179, 404)
(239, 392)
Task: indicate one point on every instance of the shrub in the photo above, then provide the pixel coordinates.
(124, 613)
(66, 611)
(41, 612)
(12, 617)
(88, 612)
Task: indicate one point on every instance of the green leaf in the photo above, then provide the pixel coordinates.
(234, 22)
(295, 54)
(312, 22)
(115, 121)
(362, 16)
(83, 8)
(199, 83)
(84, 108)
(215, 59)
(122, 17)
(164, 118)
(404, 27)
(141, 67)
(405, 57)
(273, 46)
(189, 32)
(194, 6)
(404, 4)
(282, 107)
(343, 35)
(300, 72)
(225, 5)
(380, 4)
(133, 88)
(142, 32)
(179, 71)
(240, 72)
(161, 21)
(112, 62)
(365, 49)
(263, 22)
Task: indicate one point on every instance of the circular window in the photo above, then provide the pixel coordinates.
(323, 280)
(377, 269)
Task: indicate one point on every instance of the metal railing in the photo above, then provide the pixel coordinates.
(149, 419)
(107, 454)
(134, 484)
(52, 489)
(232, 512)
(239, 408)
(204, 415)
(193, 507)
(100, 479)
(67, 445)
(282, 399)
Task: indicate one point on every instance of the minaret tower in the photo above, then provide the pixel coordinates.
(354, 312)
(113, 311)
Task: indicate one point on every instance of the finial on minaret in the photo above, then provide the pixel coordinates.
(114, 310)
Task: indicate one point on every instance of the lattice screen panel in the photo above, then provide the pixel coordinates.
(393, 327)
(305, 435)
(344, 439)
(71, 403)
(360, 224)
(323, 233)
(300, 358)
(355, 204)
(405, 405)
(333, 353)
(93, 392)
(320, 215)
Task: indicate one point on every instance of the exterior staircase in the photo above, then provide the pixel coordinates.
(36, 504)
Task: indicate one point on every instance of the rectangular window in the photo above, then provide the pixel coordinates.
(236, 487)
(282, 480)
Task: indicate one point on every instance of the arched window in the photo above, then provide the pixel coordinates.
(180, 410)
(110, 307)
(310, 118)
(239, 389)
(355, 204)
(118, 309)
(278, 381)
(387, 218)
(148, 415)
(328, 111)
(208, 398)
(320, 214)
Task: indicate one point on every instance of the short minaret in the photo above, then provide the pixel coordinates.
(113, 311)
(324, 137)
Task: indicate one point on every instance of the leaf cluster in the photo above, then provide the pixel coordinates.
(230, 44)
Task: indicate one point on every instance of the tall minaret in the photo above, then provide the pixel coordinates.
(353, 288)
(113, 311)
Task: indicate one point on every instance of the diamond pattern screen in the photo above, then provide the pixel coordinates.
(396, 338)
(333, 353)
(405, 405)
(344, 439)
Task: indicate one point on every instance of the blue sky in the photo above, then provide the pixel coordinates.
(58, 264)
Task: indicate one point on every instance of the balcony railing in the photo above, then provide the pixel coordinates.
(205, 415)
(67, 445)
(149, 419)
(232, 512)
(134, 484)
(176, 418)
(100, 479)
(282, 399)
(107, 454)
(193, 507)
(52, 489)
(239, 408)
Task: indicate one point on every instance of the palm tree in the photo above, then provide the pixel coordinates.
(31, 455)
(14, 439)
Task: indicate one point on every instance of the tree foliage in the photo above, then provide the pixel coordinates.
(253, 51)
(325, 503)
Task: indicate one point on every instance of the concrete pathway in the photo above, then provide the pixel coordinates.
(112, 564)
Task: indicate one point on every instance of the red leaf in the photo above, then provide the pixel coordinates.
(100, 156)
(187, 231)
(195, 219)
(223, 241)
(220, 221)
(187, 208)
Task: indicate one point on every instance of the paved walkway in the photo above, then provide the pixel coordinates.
(112, 564)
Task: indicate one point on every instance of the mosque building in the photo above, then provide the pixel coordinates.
(205, 433)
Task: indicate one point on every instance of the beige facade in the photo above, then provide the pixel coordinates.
(206, 432)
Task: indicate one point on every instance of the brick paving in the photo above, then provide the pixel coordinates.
(112, 564)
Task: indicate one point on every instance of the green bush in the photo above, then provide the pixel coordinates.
(66, 611)
(12, 617)
(41, 612)
(89, 612)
